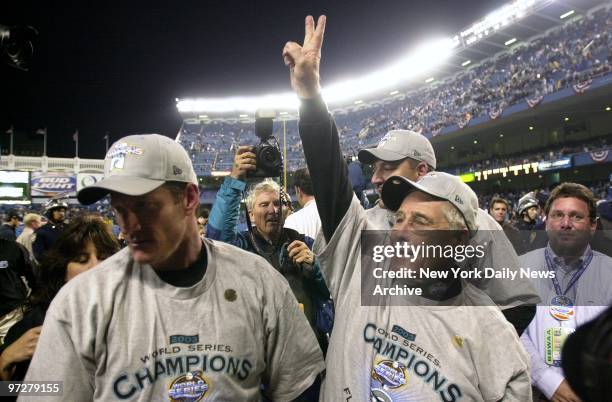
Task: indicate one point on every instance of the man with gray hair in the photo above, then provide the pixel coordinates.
(288, 251)
(437, 349)
(172, 316)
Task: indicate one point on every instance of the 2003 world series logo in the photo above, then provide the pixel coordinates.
(190, 387)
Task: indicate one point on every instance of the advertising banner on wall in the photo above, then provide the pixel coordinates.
(87, 179)
(53, 184)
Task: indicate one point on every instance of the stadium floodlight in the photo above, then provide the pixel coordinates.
(567, 14)
(566, 119)
(501, 136)
(530, 128)
(424, 58)
(510, 41)
(608, 108)
(508, 14)
(358, 102)
(430, 79)
(393, 93)
(282, 101)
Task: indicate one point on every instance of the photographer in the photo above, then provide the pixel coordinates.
(288, 251)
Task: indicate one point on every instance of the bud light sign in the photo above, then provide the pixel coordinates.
(51, 184)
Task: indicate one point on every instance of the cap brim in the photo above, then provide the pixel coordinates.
(396, 188)
(371, 155)
(119, 184)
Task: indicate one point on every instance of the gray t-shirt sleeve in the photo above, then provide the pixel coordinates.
(293, 356)
(500, 255)
(57, 358)
(339, 258)
(508, 379)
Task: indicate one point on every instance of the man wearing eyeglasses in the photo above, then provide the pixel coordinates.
(574, 285)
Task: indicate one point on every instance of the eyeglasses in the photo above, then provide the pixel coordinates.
(557, 216)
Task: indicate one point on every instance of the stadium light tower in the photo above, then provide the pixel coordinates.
(422, 60)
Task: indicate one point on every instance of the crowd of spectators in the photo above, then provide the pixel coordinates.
(546, 154)
(573, 53)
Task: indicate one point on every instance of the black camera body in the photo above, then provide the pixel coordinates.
(268, 157)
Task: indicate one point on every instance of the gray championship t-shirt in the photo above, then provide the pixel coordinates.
(413, 353)
(118, 332)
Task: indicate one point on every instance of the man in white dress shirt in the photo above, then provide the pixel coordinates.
(306, 220)
(579, 290)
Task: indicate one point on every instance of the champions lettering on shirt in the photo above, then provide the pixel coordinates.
(184, 372)
(397, 357)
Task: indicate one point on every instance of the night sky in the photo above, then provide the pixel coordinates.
(119, 67)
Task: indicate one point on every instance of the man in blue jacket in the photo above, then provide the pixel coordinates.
(286, 250)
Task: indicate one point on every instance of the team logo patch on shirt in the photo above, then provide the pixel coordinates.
(230, 295)
(390, 374)
(190, 387)
(458, 341)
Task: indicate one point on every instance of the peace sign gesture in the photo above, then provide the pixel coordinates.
(303, 61)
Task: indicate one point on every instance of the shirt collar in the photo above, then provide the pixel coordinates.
(560, 261)
(308, 203)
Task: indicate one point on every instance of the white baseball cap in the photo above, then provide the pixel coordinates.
(437, 184)
(138, 164)
(400, 144)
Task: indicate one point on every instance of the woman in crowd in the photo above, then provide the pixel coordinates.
(86, 242)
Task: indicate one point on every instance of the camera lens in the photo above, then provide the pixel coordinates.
(270, 157)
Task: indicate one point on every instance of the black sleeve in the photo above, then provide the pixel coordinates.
(39, 246)
(25, 266)
(328, 170)
(520, 317)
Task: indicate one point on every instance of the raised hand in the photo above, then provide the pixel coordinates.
(243, 162)
(303, 61)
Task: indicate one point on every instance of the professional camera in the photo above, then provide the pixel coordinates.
(268, 156)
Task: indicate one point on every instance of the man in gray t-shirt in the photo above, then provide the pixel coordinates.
(427, 351)
(172, 317)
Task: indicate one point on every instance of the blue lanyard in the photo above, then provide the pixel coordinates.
(577, 275)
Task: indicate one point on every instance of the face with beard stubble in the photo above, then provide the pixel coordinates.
(569, 226)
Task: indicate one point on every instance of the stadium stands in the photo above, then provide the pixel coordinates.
(570, 55)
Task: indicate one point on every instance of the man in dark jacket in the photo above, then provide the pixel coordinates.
(47, 235)
(498, 209)
(11, 221)
(531, 231)
(14, 268)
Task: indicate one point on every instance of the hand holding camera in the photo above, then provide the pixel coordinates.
(244, 162)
